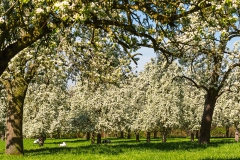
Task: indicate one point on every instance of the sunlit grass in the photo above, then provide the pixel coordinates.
(175, 148)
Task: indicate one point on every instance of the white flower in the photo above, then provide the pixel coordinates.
(39, 10)
(1, 20)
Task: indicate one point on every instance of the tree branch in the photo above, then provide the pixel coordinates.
(191, 80)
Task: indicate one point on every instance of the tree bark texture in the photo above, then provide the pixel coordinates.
(210, 101)
(16, 93)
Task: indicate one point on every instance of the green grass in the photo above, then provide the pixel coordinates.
(125, 149)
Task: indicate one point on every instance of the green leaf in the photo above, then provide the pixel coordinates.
(24, 1)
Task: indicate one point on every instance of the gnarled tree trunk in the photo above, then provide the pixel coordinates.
(210, 101)
(16, 90)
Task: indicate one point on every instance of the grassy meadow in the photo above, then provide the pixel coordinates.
(128, 149)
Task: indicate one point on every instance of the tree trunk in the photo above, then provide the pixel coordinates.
(137, 137)
(115, 135)
(155, 134)
(192, 136)
(210, 101)
(164, 136)
(129, 134)
(88, 136)
(93, 138)
(99, 138)
(227, 131)
(236, 132)
(196, 134)
(121, 134)
(148, 137)
(236, 135)
(16, 90)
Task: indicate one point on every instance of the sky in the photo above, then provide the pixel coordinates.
(147, 54)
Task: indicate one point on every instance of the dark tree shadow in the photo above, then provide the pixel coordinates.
(119, 146)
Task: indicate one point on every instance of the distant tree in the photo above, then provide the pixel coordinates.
(45, 108)
(163, 97)
(227, 112)
(191, 108)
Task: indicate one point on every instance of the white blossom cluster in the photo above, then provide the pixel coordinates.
(149, 101)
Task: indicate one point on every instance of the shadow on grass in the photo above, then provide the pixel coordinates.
(65, 140)
(220, 159)
(119, 146)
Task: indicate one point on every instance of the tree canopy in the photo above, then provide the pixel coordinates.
(131, 23)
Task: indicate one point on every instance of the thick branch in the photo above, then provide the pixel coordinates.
(193, 82)
(227, 74)
(13, 49)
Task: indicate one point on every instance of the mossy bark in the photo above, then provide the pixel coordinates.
(16, 90)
